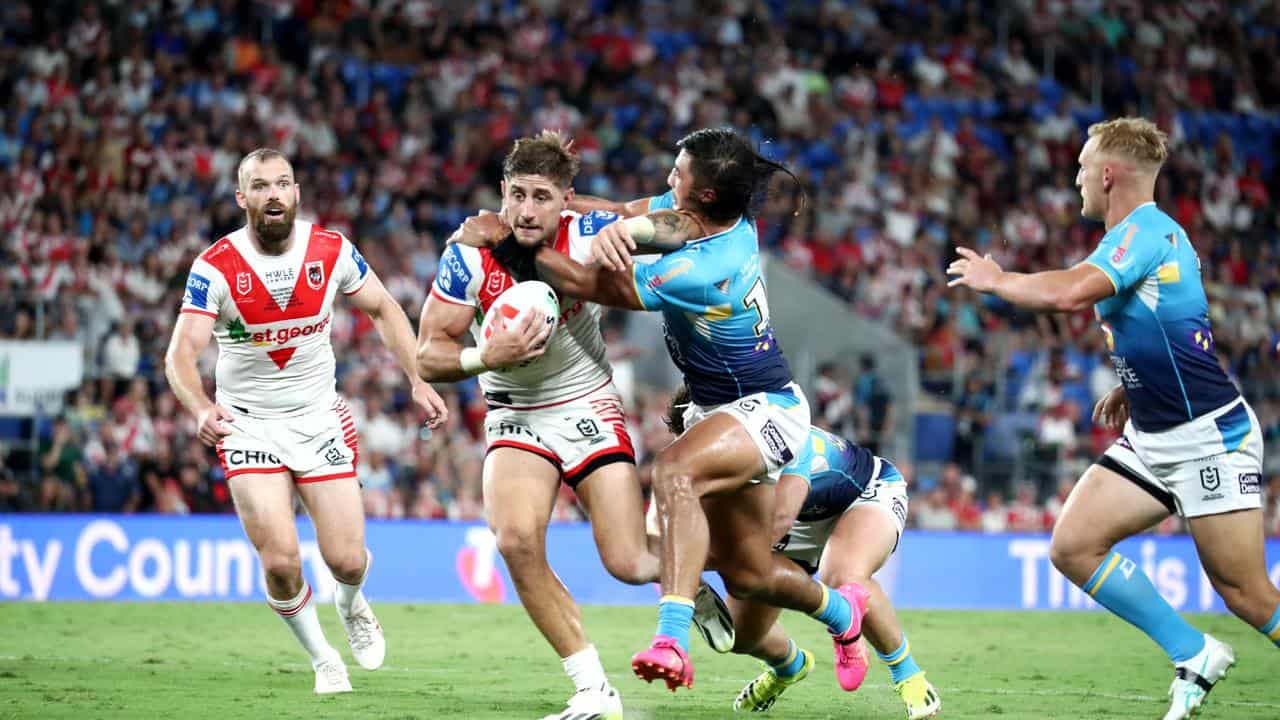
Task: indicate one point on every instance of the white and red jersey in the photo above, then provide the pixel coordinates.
(574, 364)
(272, 317)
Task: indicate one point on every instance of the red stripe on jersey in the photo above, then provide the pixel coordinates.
(496, 277)
(194, 311)
(249, 293)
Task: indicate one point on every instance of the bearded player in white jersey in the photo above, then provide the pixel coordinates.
(266, 293)
(554, 413)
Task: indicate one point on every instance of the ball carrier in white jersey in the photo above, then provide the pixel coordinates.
(266, 293)
(555, 418)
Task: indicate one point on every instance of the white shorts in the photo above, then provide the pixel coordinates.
(887, 490)
(778, 422)
(579, 436)
(1208, 466)
(314, 447)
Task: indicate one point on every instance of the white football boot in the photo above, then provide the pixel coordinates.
(364, 634)
(331, 677)
(712, 619)
(1194, 678)
(602, 703)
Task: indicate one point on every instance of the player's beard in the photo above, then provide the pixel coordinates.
(273, 232)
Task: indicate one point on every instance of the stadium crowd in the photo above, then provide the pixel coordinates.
(914, 126)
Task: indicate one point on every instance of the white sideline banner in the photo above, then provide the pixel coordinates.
(35, 375)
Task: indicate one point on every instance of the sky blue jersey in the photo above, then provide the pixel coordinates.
(838, 472)
(716, 317)
(1157, 323)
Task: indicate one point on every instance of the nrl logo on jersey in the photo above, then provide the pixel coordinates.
(244, 283)
(315, 274)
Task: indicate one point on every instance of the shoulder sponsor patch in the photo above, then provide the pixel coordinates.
(452, 276)
(358, 259)
(595, 221)
(197, 292)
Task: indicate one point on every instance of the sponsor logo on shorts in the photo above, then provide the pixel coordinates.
(256, 458)
(782, 544)
(1211, 497)
(506, 429)
(335, 456)
(1123, 441)
(900, 510)
(588, 427)
(1209, 478)
(773, 438)
(1250, 483)
(748, 405)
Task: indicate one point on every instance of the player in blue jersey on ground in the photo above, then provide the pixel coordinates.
(1191, 444)
(840, 513)
(748, 418)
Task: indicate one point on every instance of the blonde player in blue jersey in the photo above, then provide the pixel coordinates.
(840, 513)
(714, 486)
(1191, 444)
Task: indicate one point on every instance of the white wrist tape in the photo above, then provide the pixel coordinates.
(471, 361)
(640, 227)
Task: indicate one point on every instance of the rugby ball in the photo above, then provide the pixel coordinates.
(519, 300)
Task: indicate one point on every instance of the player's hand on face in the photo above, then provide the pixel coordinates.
(1112, 411)
(612, 246)
(516, 342)
(485, 229)
(213, 424)
(974, 271)
(429, 400)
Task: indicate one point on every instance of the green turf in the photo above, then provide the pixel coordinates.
(229, 661)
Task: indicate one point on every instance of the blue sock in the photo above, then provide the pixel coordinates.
(792, 664)
(675, 614)
(1125, 590)
(834, 612)
(1272, 628)
(901, 664)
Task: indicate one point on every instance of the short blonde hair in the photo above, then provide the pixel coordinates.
(1136, 139)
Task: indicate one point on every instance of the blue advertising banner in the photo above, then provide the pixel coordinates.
(101, 557)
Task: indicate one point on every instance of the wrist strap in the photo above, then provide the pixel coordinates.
(471, 361)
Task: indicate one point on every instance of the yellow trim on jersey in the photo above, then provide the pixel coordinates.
(819, 445)
(1169, 273)
(635, 285)
(1244, 441)
(1115, 289)
(1111, 565)
(718, 312)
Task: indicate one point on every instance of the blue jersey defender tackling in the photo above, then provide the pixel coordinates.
(714, 486)
(840, 513)
(1191, 443)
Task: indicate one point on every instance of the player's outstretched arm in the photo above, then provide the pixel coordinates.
(442, 356)
(393, 325)
(583, 204)
(191, 335)
(1077, 288)
(661, 231)
(592, 283)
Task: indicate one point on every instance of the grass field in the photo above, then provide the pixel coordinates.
(229, 661)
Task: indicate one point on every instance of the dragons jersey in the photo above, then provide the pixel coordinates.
(1157, 323)
(272, 317)
(574, 364)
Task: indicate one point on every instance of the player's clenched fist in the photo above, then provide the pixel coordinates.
(213, 424)
(514, 343)
(430, 401)
(612, 247)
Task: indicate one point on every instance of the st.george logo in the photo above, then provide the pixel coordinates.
(315, 274)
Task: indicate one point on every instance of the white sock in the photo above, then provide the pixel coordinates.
(299, 614)
(348, 598)
(585, 670)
